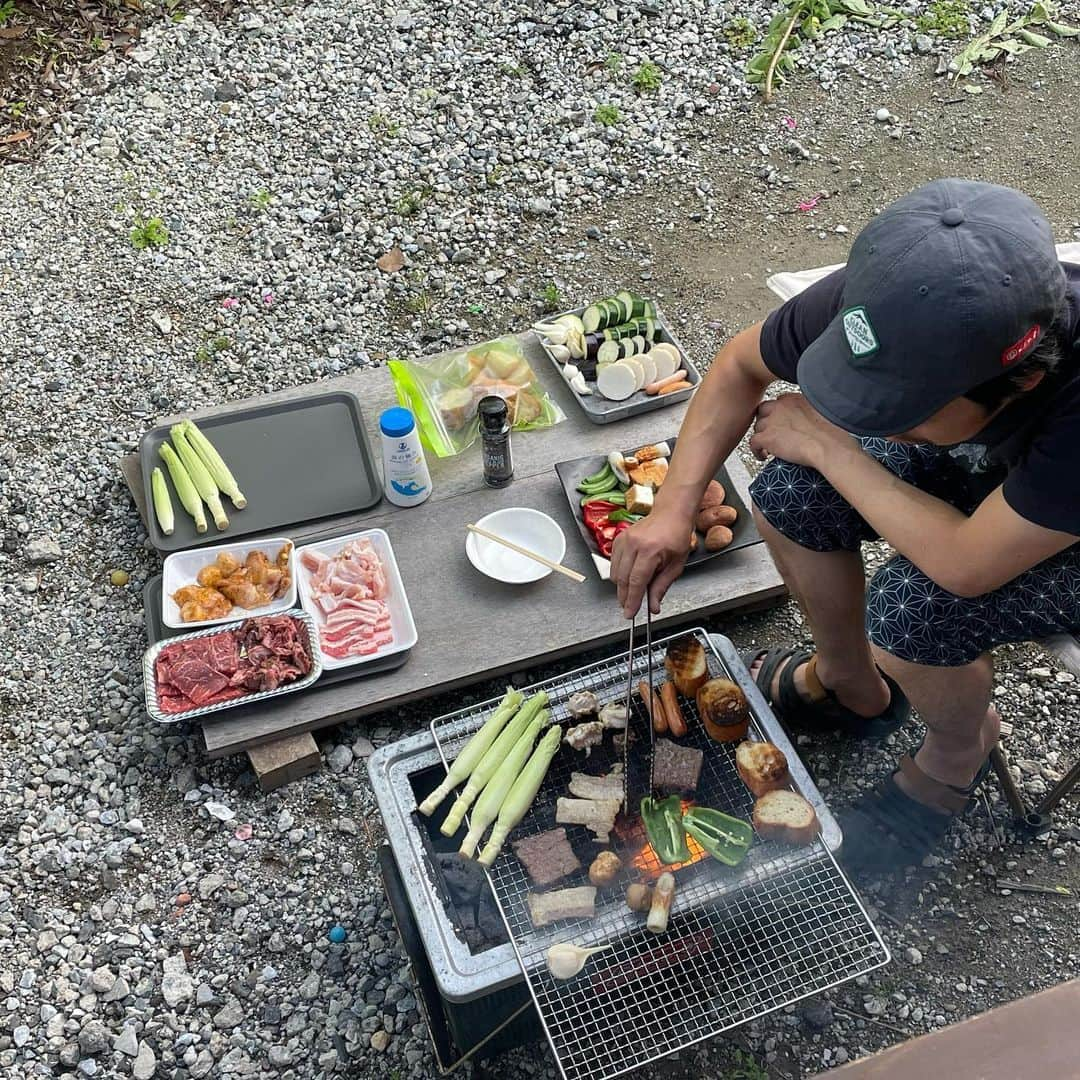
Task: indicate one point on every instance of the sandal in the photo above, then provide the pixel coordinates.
(823, 712)
(886, 829)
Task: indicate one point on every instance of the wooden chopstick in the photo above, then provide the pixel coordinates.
(573, 574)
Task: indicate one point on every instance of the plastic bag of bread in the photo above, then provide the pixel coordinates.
(444, 391)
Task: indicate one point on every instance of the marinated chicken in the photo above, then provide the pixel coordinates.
(582, 704)
(226, 582)
(197, 604)
(613, 716)
(585, 736)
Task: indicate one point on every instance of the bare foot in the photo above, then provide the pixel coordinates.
(951, 765)
(866, 700)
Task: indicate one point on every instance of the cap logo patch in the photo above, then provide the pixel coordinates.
(859, 332)
(1017, 350)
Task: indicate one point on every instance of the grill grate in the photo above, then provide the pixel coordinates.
(742, 941)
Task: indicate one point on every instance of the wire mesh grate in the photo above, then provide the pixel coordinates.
(741, 942)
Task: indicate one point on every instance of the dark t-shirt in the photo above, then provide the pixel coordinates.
(1032, 446)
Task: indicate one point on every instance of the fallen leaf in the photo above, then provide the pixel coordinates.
(391, 262)
(970, 88)
(11, 32)
(14, 137)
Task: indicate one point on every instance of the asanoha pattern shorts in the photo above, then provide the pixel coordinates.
(907, 614)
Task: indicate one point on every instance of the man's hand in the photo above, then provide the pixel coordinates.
(650, 555)
(789, 428)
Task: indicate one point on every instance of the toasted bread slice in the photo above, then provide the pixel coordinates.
(787, 816)
(650, 473)
(724, 710)
(762, 767)
(687, 665)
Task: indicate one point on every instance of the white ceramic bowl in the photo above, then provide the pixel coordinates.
(182, 567)
(526, 527)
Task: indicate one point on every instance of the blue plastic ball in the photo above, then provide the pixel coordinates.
(337, 934)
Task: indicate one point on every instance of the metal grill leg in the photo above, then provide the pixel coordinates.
(1059, 791)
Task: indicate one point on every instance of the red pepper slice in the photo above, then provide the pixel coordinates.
(596, 512)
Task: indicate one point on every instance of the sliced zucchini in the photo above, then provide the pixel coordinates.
(608, 352)
(627, 300)
(641, 346)
(593, 318)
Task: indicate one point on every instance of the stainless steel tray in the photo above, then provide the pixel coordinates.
(150, 682)
(601, 410)
(783, 925)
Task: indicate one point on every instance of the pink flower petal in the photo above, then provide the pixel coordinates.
(789, 122)
(808, 204)
(230, 302)
(268, 298)
(244, 832)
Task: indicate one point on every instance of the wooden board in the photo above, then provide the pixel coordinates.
(470, 627)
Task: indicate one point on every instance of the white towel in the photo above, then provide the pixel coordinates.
(787, 285)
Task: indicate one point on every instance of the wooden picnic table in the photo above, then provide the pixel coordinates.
(472, 628)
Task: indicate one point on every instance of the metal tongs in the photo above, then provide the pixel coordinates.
(638, 740)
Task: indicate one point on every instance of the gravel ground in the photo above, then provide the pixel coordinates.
(285, 149)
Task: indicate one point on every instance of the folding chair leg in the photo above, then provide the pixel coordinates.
(1008, 786)
(1059, 791)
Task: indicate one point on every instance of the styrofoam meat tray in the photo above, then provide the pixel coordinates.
(402, 624)
(182, 567)
(150, 680)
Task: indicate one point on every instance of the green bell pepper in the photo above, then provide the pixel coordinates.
(624, 515)
(664, 825)
(722, 836)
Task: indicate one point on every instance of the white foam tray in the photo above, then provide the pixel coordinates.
(182, 567)
(401, 617)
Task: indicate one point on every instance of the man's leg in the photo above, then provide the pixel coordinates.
(830, 587)
(954, 704)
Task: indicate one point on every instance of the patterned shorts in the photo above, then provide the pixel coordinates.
(907, 614)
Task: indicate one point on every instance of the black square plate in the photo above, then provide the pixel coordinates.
(571, 473)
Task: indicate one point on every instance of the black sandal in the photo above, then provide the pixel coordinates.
(823, 712)
(887, 830)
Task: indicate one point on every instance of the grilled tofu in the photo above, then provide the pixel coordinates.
(549, 907)
(595, 814)
(597, 787)
(639, 499)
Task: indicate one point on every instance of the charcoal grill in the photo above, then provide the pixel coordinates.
(741, 942)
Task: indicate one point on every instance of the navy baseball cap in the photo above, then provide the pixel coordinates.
(945, 289)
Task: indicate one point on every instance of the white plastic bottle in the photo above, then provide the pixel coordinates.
(406, 480)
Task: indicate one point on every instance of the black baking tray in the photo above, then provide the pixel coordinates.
(156, 630)
(571, 473)
(295, 461)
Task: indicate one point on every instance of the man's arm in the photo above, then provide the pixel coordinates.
(966, 555)
(652, 554)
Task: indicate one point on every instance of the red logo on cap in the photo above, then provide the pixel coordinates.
(1014, 352)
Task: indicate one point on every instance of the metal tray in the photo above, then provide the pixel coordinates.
(156, 631)
(601, 410)
(295, 461)
(150, 683)
(741, 942)
(571, 473)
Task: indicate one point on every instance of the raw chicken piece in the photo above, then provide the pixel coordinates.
(197, 603)
(583, 703)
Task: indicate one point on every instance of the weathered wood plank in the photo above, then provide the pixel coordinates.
(535, 452)
(472, 628)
